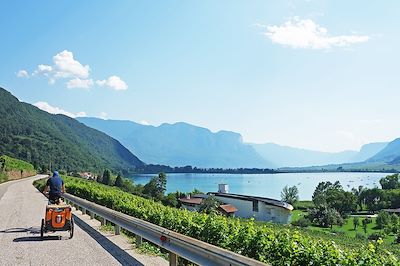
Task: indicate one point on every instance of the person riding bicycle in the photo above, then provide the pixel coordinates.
(55, 187)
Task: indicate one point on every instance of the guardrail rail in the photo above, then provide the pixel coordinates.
(176, 244)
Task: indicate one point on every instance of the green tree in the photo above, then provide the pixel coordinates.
(359, 194)
(119, 182)
(356, 222)
(365, 223)
(322, 190)
(162, 183)
(106, 177)
(290, 194)
(324, 216)
(390, 182)
(44, 168)
(372, 198)
(171, 200)
(383, 219)
(209, 205)
(2, 164)
(394, 220)
(333, 196)
(156, 187)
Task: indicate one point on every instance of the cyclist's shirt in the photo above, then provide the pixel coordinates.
(55, 183)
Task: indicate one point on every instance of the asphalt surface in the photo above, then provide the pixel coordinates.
(21, 209)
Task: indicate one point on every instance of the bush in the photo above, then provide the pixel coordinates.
(375, 236)
(302, 222)
(383, 219)
(324, 216)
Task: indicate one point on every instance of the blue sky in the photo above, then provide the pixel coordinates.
(315, 74)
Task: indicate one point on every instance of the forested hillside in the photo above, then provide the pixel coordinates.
(41, 138)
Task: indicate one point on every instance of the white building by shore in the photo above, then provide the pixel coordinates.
(261, 209)
(244, 206)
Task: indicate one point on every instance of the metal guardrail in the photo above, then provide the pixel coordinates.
(177, 244)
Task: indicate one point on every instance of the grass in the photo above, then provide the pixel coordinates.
(297, 214)
(347, 229)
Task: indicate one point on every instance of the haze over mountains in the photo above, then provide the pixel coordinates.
(183, 144)
(284, 156)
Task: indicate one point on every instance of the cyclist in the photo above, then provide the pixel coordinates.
(55, 187)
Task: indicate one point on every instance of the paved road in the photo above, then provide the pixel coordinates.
(21, 210)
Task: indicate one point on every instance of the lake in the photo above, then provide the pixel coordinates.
(264, 185)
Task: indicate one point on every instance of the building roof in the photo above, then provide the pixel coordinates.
(228, 208)
(202, 196)
(196, 201)
(393, 210)
(268, 201)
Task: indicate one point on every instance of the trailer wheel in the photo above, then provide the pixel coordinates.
(71, 229)
(42, 230)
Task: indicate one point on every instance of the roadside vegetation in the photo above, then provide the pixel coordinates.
(276, 244)
(11, 169)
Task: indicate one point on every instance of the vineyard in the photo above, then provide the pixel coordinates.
(278, 245)
(11, 168)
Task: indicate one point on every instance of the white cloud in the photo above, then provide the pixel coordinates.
(55, 110)
(43, 70)
(67, 67)
(113, 82)
(145, 123)
(23, 74)
(103, 115)
(305, 33)
(80, 114)
(80, 83)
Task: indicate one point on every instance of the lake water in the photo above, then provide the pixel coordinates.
(264, 185)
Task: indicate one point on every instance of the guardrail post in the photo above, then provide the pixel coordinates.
(117, 229)
(83, 211)
(91, 215)
(103, 221)
(139, 240)
(173, 259)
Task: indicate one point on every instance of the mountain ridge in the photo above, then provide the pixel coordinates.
(286, 156)
(181, 144)
(31, 134)
(276, 155)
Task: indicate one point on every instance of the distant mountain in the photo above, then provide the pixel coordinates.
(284, 156)
(390, 154)
(181, 144)
(36, 136)
(369, 150)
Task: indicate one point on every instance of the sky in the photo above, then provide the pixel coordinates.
(321, 75)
